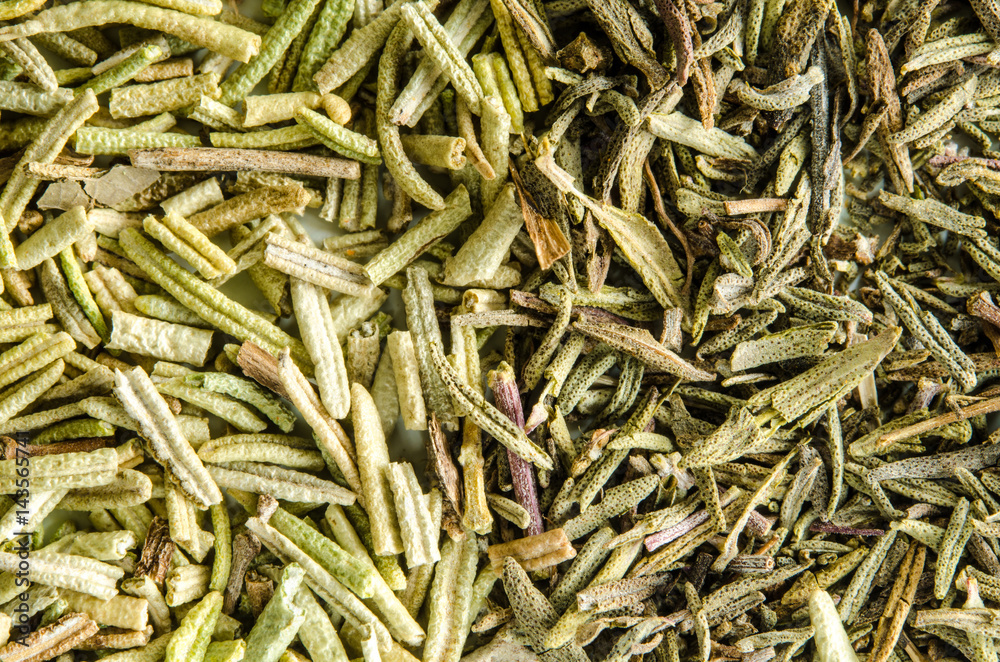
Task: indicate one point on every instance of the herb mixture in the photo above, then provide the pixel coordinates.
(697, 329)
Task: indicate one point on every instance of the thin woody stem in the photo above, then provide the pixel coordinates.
(508, 401)
(923, 427)
(654, 190)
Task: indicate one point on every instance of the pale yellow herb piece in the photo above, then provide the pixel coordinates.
(405, 368)
(49, 240)
(159, 339)
(155, 98)
(373, 463)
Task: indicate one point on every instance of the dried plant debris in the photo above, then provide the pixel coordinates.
(699, 330)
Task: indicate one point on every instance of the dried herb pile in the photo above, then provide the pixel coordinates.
(697, 326)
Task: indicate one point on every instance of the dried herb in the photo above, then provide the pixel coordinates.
(699, 331)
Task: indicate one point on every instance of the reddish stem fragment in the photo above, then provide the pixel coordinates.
(508, 400)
